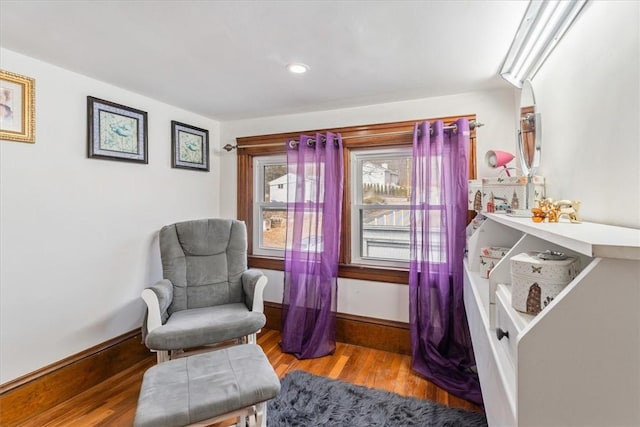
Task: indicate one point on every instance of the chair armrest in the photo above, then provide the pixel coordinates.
(253, 284)
(158, 299)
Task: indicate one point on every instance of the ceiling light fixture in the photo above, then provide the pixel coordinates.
(297, 68)
(541, 29)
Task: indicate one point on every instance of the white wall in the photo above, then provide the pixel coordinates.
(390, 300)
(78, 236)
(375, 299)
(588, 92)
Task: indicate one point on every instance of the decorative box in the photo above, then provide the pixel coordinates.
(489, 257)
(474, 199)
(536, 281)
(504, 193)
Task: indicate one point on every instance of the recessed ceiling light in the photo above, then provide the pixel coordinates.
(297, 68)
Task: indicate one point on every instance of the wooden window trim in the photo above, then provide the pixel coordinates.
(366, 136)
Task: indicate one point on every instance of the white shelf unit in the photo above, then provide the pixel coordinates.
(577, 363)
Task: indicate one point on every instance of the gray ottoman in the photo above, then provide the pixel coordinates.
(210, 387)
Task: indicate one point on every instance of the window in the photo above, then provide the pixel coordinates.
(375, 218)
(270, 205)
(381, 194)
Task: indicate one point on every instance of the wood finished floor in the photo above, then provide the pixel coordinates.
(113, 402)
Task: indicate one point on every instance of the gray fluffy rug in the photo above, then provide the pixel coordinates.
(309, 400)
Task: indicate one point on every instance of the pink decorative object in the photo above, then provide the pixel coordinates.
(496, 159)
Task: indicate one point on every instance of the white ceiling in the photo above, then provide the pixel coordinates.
(226, 59)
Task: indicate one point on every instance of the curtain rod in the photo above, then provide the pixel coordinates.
(472, 125)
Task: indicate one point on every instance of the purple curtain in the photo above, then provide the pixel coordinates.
(314, 209)
(440, 341)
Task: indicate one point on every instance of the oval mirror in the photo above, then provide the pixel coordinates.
(529, 134)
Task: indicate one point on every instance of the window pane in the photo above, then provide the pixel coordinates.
(274, 228)
(385, 234)
(310, 231)
(386, 180)
(435, 236)
(309, 189)
(275, 183)
(432, 196)
(269, 205)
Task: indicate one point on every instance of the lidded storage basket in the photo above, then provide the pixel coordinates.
(538, 277)
(489, 257)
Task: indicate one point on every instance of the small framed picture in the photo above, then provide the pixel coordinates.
(189, 147)
(116, 132)
(17, 107)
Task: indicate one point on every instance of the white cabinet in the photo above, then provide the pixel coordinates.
(577, 363)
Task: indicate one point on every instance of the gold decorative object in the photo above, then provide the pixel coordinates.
(538, 215)
(569, 208)
(552, 210)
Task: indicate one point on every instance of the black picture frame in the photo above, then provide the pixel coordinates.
(116, 132)
(189, 147)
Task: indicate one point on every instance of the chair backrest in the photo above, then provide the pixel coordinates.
(204, 259)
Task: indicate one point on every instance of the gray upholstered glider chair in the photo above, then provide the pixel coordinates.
(207, 296)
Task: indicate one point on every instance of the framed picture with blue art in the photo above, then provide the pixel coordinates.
(116, 132)
(189, 147)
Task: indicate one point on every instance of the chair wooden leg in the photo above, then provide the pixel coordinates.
(252, 339)
(162, 356)
(176, 354)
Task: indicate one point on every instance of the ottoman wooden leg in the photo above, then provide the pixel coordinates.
(261, 414)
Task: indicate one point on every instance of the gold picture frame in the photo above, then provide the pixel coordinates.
(17, 107)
